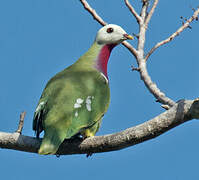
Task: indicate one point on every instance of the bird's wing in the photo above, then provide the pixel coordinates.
(42, 108)
(38, 118)
(74, 102)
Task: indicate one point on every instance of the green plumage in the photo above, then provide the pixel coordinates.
(75, 99)
(72, 102)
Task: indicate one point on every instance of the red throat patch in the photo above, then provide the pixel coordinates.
(103, 57)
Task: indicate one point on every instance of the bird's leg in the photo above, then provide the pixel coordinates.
(89, 155)
(85, 134)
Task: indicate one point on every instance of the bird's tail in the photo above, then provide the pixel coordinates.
(51, 142)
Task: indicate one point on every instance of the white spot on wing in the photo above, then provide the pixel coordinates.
(78, 103)
(88, 100)
(88, 103)
(88, 106)
(104, 77)
(76, 114)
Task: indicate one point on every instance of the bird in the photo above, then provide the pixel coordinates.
(75, 99)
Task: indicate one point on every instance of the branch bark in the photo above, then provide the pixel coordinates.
(181, 112)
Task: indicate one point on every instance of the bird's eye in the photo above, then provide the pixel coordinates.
(109, 30)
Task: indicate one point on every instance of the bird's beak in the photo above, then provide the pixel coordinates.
(127, 36)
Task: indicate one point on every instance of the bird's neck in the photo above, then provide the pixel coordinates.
(96, 57)
(103, 57)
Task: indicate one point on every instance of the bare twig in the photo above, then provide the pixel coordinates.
(132, 10)
(181, 112)
(151, 12)
(130, 48)
(93, 12)
(21, 122)
(165, 106)
(103, 23)
(152, 87)
(144, 9)
(135, 68)
(141, 39)
(170, 38)
(135, 35)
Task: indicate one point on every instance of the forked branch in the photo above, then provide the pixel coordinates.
(151, 12)
(170, 38)
(151, 86)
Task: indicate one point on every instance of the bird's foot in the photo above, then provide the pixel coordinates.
(89, 154)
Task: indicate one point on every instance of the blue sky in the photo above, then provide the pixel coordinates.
(40, 38)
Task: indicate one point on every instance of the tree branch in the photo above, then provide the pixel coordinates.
(170, 38)
(181, 112)
(93, 12)
(152, 87)
(130, 48)
(132, 10)
(21, 122)
(141, 38)
(151, 12)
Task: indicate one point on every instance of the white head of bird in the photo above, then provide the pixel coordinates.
(111, 34)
